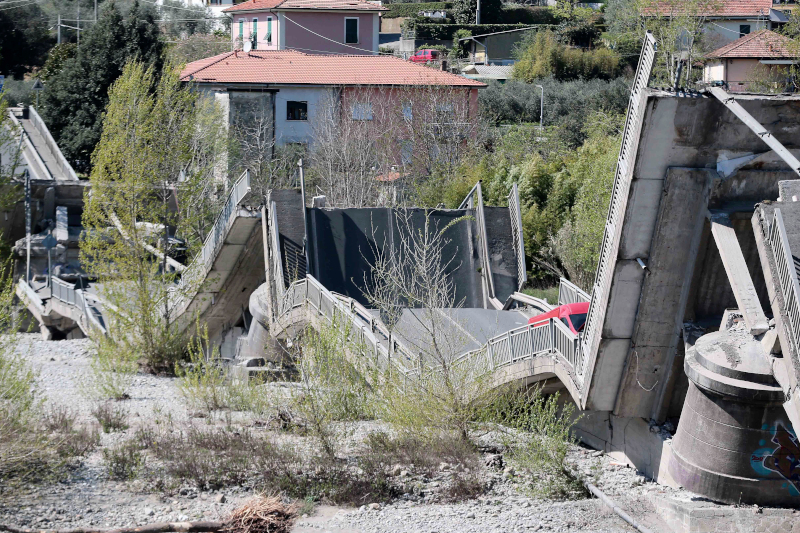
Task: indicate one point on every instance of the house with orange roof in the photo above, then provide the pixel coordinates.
(313, 26)
(728, 20)
(752, 61)
(292, 94)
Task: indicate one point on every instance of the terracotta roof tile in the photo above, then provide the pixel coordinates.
(289, 67)
(763, 43)
(348, 5)
(723, 8)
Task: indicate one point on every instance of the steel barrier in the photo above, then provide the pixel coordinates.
(787, 276)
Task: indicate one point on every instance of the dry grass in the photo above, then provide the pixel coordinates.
(262, 514)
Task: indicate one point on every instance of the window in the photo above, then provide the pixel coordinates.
(362, 111)
(350, 30)
(254, 34)
(406, 152)
(241, 29)
(296, 110)
(269, 30)
(744, 29)
(408, 111)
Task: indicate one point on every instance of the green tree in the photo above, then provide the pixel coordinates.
(541, 55)
(74, 100)
(24, 39)
(464, 11)
(591, 169)
(158, 137)
(56, 59)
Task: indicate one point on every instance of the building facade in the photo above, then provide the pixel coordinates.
(313, 26)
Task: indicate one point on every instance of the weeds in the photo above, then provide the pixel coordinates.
(111, 417)
(123, 462)
(542, 441)
(202, 378)
(68, 438)
(110, 372)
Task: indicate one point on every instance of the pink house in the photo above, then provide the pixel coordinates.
(313, 26)
(758, 62)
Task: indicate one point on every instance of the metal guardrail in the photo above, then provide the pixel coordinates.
(787, 276)
(66, 169)
(29, 152)
(204, 260)
(375, 342)
(515, 345)
(623, 176)
(68, 294)
(516, 232)
(569, 293)
(474, 200)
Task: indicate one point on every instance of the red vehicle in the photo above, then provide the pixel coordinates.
(572, 315)
(425, 56)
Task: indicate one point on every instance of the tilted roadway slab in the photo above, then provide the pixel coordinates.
(236, 271)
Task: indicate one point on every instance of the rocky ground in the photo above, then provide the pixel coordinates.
(89, 498)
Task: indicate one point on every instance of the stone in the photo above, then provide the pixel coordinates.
(220, 498)
(149, 512)
(494, 461)
(375, 506)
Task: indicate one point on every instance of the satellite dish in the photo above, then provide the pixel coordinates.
(247, 47)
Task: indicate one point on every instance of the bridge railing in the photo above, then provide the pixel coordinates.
(66, 169)
(375, 342)
(787, 276)
(202, 262)
(516, 232)
(386, 351)
(68, 294)
(569, 293)
(474, 200)
(29, 153)
(601, 292)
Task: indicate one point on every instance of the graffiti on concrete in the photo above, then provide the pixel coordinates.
(783, 460)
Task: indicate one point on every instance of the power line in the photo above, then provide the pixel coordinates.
(174, 7)
(20, 5)
(331, 40)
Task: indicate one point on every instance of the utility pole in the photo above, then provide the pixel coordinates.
(59, 28)
(28, 226)
(305, 223)
(478, 13)
(95, 10)
(541, 110)
(79, 24)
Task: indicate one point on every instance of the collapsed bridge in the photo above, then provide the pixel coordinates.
(694, 316)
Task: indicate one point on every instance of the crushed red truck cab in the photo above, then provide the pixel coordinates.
(572, 315)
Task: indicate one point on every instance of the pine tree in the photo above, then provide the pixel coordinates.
(75, 99)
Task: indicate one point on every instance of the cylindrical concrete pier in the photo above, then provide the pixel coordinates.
(734, 442)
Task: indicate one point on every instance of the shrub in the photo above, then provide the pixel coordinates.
(539, 440)
(411, 9)
(578, 242)
(529, 15)
(124, 461)
(202, 378)
(443, 32)
(111, 417)
(541, 55)
(68, 438)
(464, 11)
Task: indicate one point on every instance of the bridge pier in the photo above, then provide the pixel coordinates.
(734, 442)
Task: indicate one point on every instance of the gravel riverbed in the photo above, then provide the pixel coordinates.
(89, 498)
